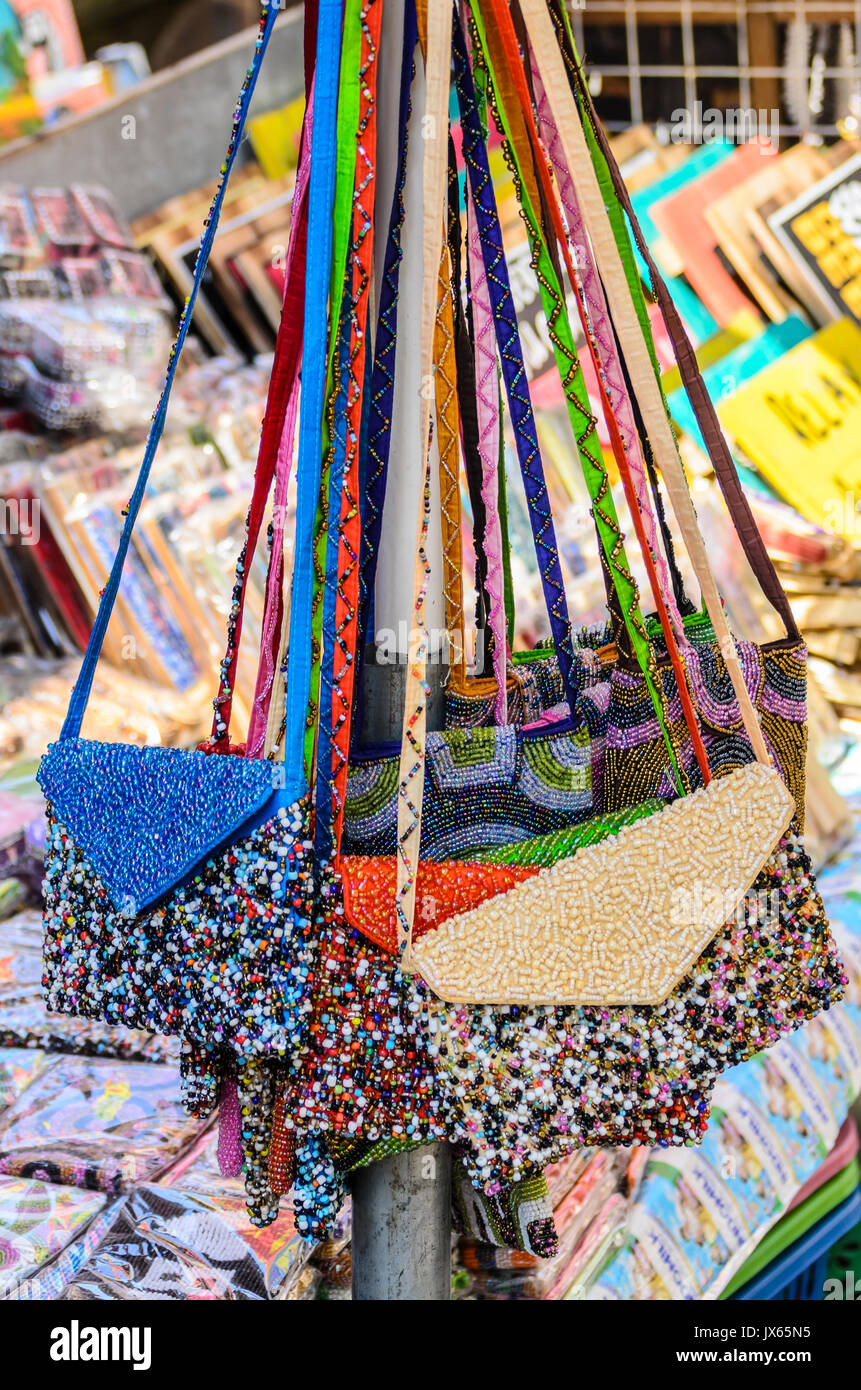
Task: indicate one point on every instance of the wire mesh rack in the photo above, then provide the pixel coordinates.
(655, 62)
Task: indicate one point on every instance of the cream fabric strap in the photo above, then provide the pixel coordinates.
(437, 16)
(546, 50)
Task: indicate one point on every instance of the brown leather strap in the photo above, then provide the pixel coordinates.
(725, 471)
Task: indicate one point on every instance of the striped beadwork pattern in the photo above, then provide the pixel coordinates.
(483, 787)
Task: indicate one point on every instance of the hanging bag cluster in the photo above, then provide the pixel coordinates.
(557, 920)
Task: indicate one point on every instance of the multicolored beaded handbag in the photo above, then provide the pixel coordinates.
(526, 946)
(486, 786)
(176, 883)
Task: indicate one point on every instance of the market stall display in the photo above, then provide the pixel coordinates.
(276, 950)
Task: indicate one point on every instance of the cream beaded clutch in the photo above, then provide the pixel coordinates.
(620, 922)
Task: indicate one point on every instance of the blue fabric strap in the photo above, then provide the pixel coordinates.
(321, 193)
(83, 686)
(513, 369)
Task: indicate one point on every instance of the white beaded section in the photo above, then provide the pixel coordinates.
(620, 922)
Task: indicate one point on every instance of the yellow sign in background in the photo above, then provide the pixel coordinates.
(799, 422)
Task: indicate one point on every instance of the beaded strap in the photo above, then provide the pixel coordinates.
(618, 204)
(333, 484)
(513, 370)
(466, 392)
(83, 686)
(582, 420)
(602, 333)
(274, 606)
(435, 26)
(381, 394)
(325, 547)
(489, 441)
(448, 438)
(622, 595)
(275, 456)
(506, 32)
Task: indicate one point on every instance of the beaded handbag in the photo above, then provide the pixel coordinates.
(176, 883)
(488, 786)
(541, 942)
(462, 877)
(775, 672)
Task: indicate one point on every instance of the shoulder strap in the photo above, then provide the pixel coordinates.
(513, 370)
(83, 686)
(435, 19)
(464, 348)
(274, 459)
(489, 432)
(448, 439)
(326, 519)
(549, 59)
(516, 74)
(340, 650)
(607, 357)
(383, 373)
(321, 194)
(701, 402)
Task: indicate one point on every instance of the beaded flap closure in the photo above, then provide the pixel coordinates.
(146, 818)
(620, 922)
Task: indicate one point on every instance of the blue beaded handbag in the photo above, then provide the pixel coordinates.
(179, 885)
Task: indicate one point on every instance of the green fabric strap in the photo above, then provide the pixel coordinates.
(544, 850)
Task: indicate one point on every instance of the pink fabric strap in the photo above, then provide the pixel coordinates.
(605, 342)
(274, 610)
(487, 405)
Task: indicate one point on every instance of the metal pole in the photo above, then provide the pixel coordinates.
(401, 1205)
(402, 1227)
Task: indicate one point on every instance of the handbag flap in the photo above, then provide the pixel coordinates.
(442, 890)
(620, 922)
(146, 817)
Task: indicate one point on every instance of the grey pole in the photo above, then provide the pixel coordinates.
(401, 1205)
(402, 1227)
